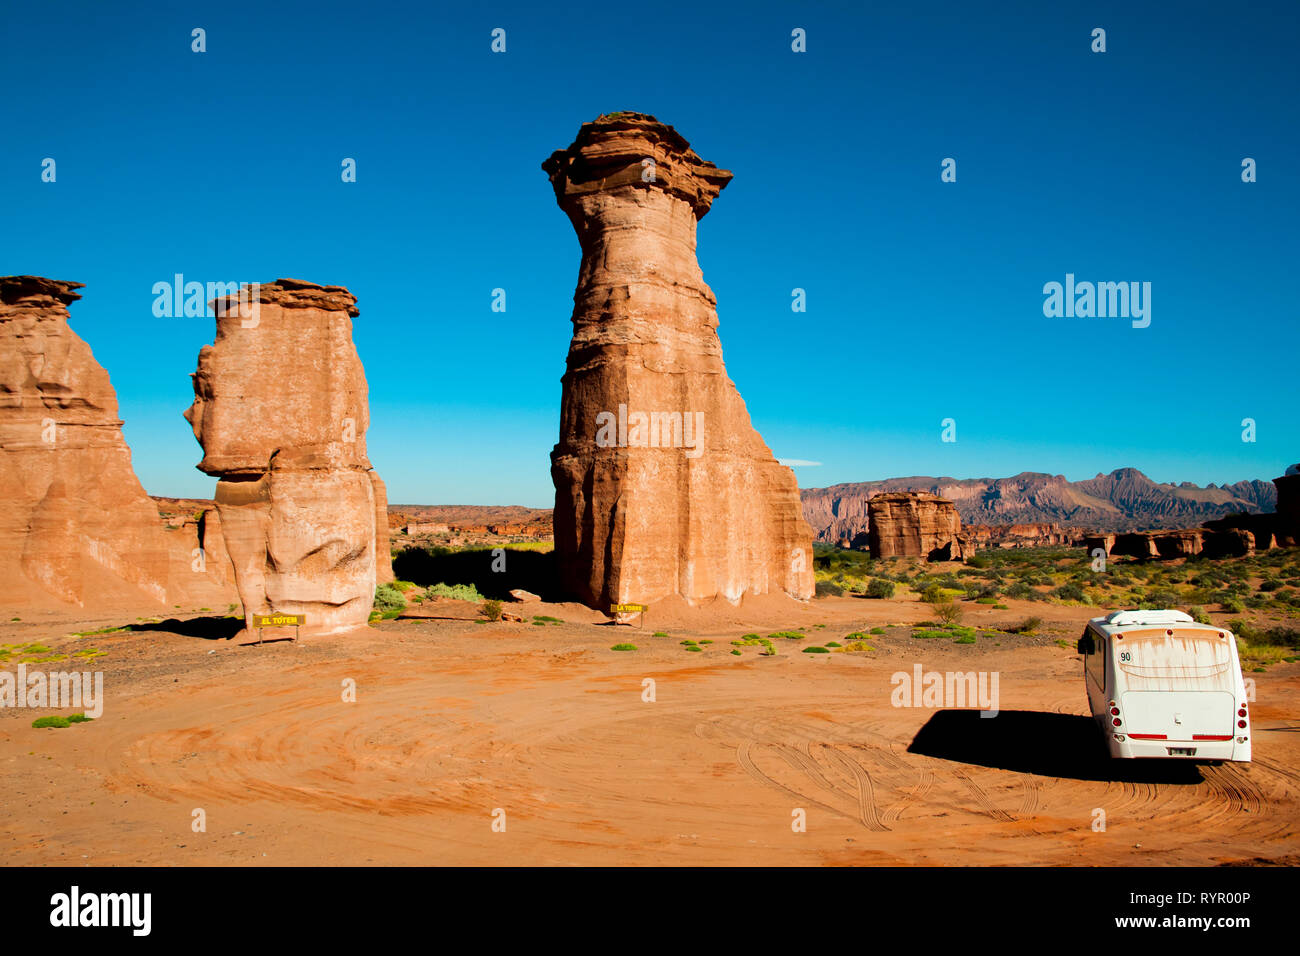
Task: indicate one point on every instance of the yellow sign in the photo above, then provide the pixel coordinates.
(279, 620)
(628, 608)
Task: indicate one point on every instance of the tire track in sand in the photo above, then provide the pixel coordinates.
(866, 796)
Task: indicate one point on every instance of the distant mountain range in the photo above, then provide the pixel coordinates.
(1124, 500)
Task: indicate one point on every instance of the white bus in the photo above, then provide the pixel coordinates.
(1161, 685)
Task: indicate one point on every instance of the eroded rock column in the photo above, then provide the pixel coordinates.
(281, 409)
(662, 485)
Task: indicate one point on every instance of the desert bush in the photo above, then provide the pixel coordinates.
(459, 592)
(1198, 615)
(1069, 592)
(492, 610)
(1160, 598)
(388, 598)
(1020, 591)
(947, 610)
(1027, 626)
(880, 588)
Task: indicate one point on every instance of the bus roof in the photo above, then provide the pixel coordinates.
(1120, 621)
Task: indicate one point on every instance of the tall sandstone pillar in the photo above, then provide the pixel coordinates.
(662, 485)
(281, 409)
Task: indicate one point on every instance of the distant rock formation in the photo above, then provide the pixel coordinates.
(281, 409)
(914, 524)
(1231, 536)
(1124, 500)
(662, 485)
(75, 525)
(1036, 535)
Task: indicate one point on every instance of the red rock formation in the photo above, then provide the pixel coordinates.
(1229, 543)
(663, 487)
(915, 524)
(1286, 528)
(75, 525)
(1034, 535)
(1092, 542)
(281, 411)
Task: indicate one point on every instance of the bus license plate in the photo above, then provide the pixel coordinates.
(1182, 751)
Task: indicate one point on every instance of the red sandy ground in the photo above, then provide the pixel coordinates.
(454, 720)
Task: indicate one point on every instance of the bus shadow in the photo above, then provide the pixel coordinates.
(1051, 745)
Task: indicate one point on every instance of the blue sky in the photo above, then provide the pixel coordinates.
(924, 298)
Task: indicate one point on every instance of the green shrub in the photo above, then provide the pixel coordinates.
(1027, 626)
(623, 647)
(877, 630)
(388, 601)
(492, 610)
(51, 721)
(458, 592)
(946, 609)
(1069, 592)
(788, 635)
(1198, 615)
(880, 588)
(815, 650)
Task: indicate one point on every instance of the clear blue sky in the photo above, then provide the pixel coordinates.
(924, 298)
